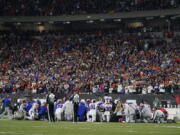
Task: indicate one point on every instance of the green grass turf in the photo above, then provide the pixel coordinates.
(8, 127)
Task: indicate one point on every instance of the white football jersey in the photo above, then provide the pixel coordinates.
(108, 107)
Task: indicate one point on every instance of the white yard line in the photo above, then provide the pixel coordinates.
(4, 119)
(19, 133)
(171, 126)
(131, 131)
(13, 133)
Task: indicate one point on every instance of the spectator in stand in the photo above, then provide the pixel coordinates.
(95, 62)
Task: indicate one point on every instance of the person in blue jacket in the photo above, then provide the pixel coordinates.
(42, 111)
(6, 106)
(28, 106)
(82, 110)
(38, 102)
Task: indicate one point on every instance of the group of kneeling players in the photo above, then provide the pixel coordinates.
(100, 110)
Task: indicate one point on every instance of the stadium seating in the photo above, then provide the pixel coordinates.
(96, 62)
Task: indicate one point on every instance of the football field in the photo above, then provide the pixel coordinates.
(8, 127)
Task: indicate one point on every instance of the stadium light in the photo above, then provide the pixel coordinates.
(18, 23)
(51, 22)
(90, 21)
(162, 16)
(135, 24)
(102, 20)
(67, 22)
(40, 28)
(149, 18)
(117, 20)
(39, 23)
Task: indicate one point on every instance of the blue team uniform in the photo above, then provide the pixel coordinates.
(6, 102)
(82, 111)
(28, 106)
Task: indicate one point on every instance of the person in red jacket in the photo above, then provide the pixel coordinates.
(160, 115)
(164, 111)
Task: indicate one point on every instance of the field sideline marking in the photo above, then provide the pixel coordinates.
(131, 131)
(1, 132)
(167, 126)
(19, 133)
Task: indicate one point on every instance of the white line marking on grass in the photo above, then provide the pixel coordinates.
(84, 128)
(34, 134)
(97, 123)
(4, 119)
(80, 128)
(171, 126)
(131, 131)
(153, 132)
(19, 133)
(14, 133)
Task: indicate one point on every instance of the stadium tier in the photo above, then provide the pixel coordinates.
(97, 62)
(72, 7)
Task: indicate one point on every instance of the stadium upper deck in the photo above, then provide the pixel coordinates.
(72, 7)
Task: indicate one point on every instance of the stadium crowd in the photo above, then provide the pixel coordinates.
(101, 110)
(71, 7)
(97, 62)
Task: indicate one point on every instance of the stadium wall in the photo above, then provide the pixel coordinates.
(167, 100)
(136, 14)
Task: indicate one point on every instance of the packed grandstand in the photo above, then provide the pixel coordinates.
(94, 62)
(90, 60)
